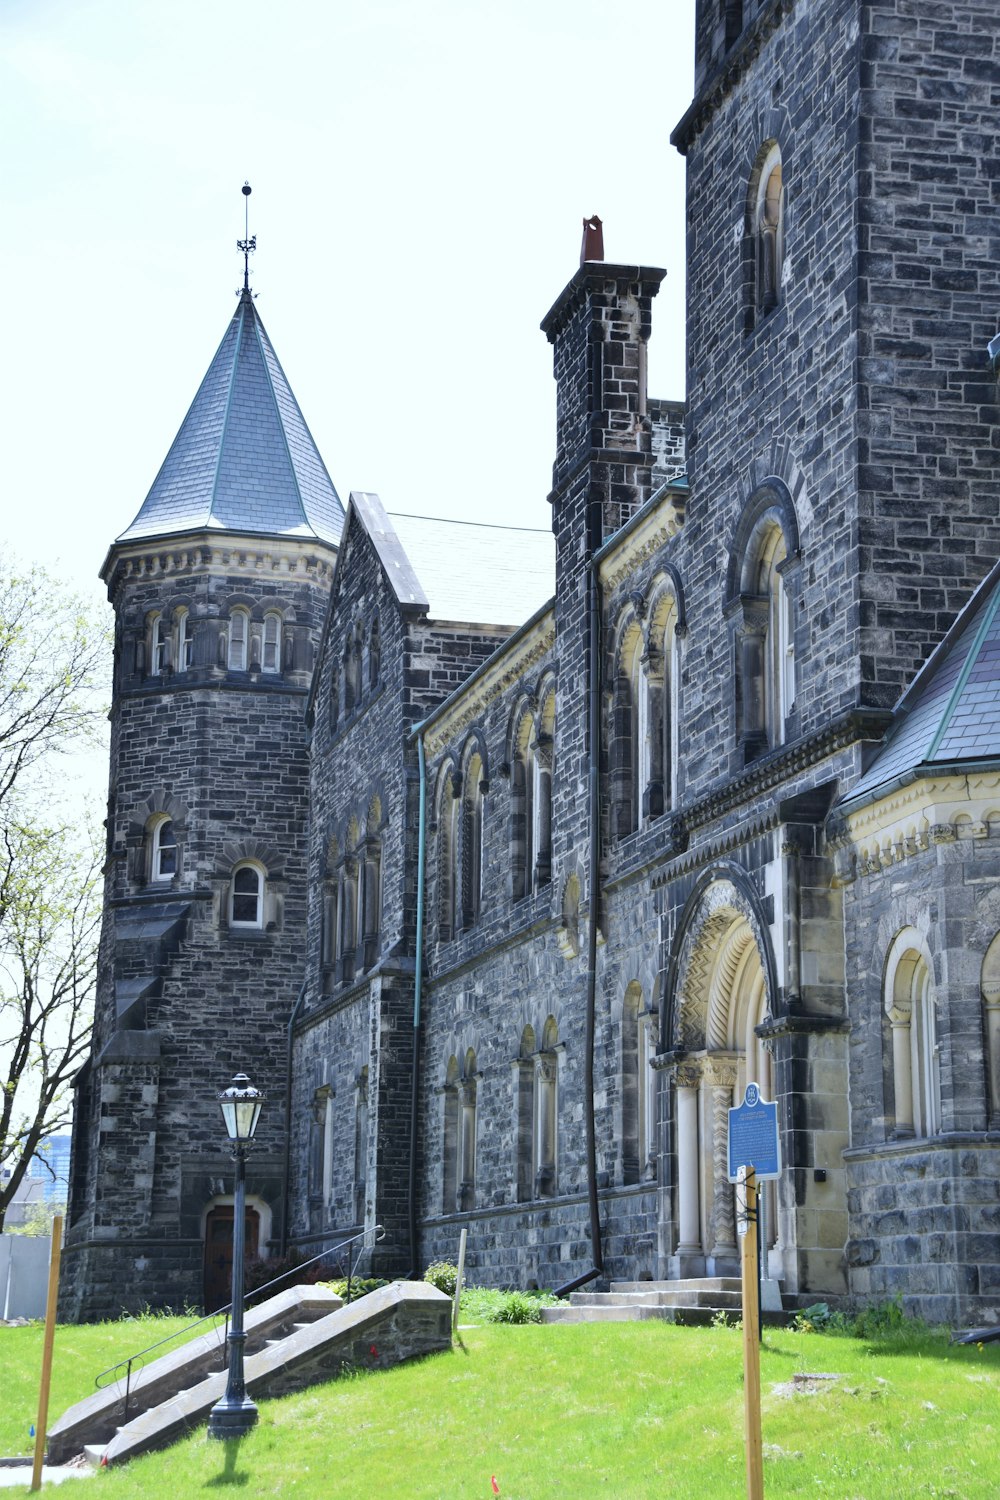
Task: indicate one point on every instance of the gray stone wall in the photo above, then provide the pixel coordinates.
(924, 1215)
(185, 999)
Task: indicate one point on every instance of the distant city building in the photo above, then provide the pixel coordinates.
(50, 1165)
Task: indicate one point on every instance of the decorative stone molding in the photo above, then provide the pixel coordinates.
(503, 671)
(929, 810)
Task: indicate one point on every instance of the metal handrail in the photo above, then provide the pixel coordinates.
(135, 1362)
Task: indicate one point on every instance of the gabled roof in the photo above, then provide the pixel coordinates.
(951, 711)
(461, 572)
(478, 574)
(244, 460)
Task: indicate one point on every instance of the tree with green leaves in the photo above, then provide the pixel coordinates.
(53, 660)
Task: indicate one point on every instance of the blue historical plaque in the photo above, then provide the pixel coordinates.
(753, 1136)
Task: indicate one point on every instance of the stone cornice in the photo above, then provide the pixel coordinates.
(728, 72)
(637, 542)
(299, 558)
(910, 818)
(504, 669)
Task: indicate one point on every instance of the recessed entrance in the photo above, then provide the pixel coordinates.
(219, 1251)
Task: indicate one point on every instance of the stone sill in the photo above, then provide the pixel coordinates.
(951, 1141)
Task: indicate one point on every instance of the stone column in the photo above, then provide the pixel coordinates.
(653, 797)
(467, 1172)
(721, 1078)
(686, 1081)
(991, 1004)
(542, 843)
(902, 1073)
(547, 1073)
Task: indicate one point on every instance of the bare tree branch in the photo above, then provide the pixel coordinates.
(52, 658)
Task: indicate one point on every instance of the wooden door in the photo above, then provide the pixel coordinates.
(219, 1252)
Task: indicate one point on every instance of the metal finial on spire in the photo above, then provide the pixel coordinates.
(249, 244)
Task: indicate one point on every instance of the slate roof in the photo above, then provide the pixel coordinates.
(951, 711)
(478, 574)
(244, 459)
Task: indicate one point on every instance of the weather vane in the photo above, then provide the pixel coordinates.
(248, 245)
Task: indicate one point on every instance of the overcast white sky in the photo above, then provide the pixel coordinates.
(419, 177)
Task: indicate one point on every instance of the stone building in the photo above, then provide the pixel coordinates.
(552, 852)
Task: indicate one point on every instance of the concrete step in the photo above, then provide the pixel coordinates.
(728, 1301)
(688, 1284)
(396, 1322)
(683, 1317)
(96, 1419)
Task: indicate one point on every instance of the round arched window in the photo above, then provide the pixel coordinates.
(246, 897)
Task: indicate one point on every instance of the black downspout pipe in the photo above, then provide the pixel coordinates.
(594, 800)
(286, 1186)
(418, 979)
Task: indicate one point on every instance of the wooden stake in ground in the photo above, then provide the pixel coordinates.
(460, 1277)
(751, 1345)
(50, 1332)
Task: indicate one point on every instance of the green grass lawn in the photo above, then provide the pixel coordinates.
(630, 1411)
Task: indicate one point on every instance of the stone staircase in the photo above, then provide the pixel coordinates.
(697, 1300)
(294, 1340)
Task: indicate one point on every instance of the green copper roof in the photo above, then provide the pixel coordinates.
(951, 711)
(244, 459)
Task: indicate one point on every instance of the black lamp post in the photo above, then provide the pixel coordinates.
(235, 1414)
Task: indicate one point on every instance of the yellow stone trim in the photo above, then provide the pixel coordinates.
(929, 810)
(503, 672)
(643, 542)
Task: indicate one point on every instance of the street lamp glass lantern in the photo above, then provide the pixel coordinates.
(241, 1104)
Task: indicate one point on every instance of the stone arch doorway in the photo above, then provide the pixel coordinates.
(722, 996)
(218, 1273)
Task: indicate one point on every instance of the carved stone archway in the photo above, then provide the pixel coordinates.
(721, 996)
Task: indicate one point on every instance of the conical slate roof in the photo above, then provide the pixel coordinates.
(244, 459)
(951, 711)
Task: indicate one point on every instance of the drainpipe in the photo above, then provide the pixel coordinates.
(286, 1190)
(594, 801)
(418, 982)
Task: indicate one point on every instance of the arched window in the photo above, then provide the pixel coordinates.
(159, 655)
(523, 822)
(271, 651)
(352, 671)
(246, 897)
(732, 20)
(760, 608)
(371, 875)
(449, 1149)
(767, 228)
(547, 1112)
(448, 893)
(910, 1006)
(360, 1145)
(163, 851)
(334, 697)
(630, 757)
(467, 1135)
(990, 983)
(185, 642)
(474, 785)
(374, 653)
(239, 622)
(670, 701)
(778, 653)
(524, 1117)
